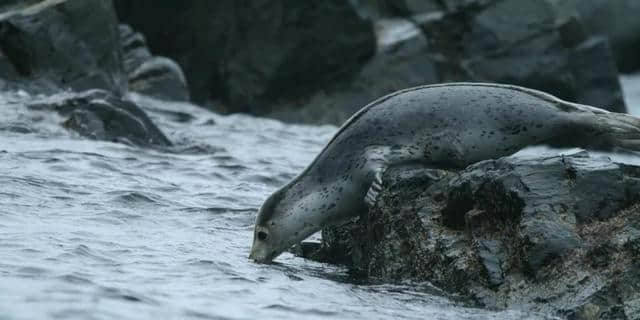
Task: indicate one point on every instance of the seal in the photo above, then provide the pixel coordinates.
(441, 126)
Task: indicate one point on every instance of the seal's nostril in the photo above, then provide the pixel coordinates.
(262, 235)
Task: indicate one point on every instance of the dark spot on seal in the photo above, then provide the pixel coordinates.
(262, 235)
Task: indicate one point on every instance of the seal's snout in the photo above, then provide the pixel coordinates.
(259, 254)
(261, 251)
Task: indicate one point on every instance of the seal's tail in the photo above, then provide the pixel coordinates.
(618, 130)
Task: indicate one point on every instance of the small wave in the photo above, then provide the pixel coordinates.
(84, 251)
(126, 295)
(17, 127)
(74, 279)
(202, 315)
(312, 311)
(221, 210)
(32, 272)
(192, 148)
(103, 165)
(234, 167)
(265, 179)
(10, 195)
(135, 198)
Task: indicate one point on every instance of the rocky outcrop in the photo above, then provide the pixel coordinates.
(100, 115)
(155, 76)
(255, 52)
(616, 20)
(49, 45)
(325, 68)
(553, 234)
(533, 44)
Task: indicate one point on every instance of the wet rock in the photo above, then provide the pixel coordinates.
(51, 45)
(534, 44)
(253, 55)
(551, 234)
(155, 76)
(402, 61)
(100, 115)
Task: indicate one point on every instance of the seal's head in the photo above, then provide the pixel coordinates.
(285, 218)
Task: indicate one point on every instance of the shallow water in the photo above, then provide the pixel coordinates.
(98, 230)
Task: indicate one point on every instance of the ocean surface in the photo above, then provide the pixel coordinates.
(99, 230)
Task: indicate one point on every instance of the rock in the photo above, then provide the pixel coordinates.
(402, 61)
(399, 8)
(377, 9)
(155, 76)
(618, 20)
(52, 45)
(100, 115)
(596, 77)
(546, 233)
(254, 56)
(528, 43)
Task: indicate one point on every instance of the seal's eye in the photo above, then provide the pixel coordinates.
(262, 235)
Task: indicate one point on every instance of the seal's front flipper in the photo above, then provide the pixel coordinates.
(375, 188)
(411, 174)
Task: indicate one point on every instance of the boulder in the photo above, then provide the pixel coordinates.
(100, 115)
(52, 45)
(376, 9)
(402, 61)
(618, 20)
(155, 76)
(255, 52)
(534, 44)
(557, 234)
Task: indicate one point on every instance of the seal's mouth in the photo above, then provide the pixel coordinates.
(262, 256)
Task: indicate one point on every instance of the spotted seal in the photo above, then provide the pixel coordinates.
(444, 126)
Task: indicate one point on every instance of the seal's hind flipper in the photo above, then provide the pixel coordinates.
(620, 130)
(375, 188)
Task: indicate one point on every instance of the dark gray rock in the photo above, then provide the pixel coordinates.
(619, 21)
(533, 44)
(551, 234)
(48, 45)
(155, 76)
(402, 61)
(100, 115)
(255, 52)
(596, 78)
(377, 9)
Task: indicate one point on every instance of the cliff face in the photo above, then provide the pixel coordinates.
(556, 234)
